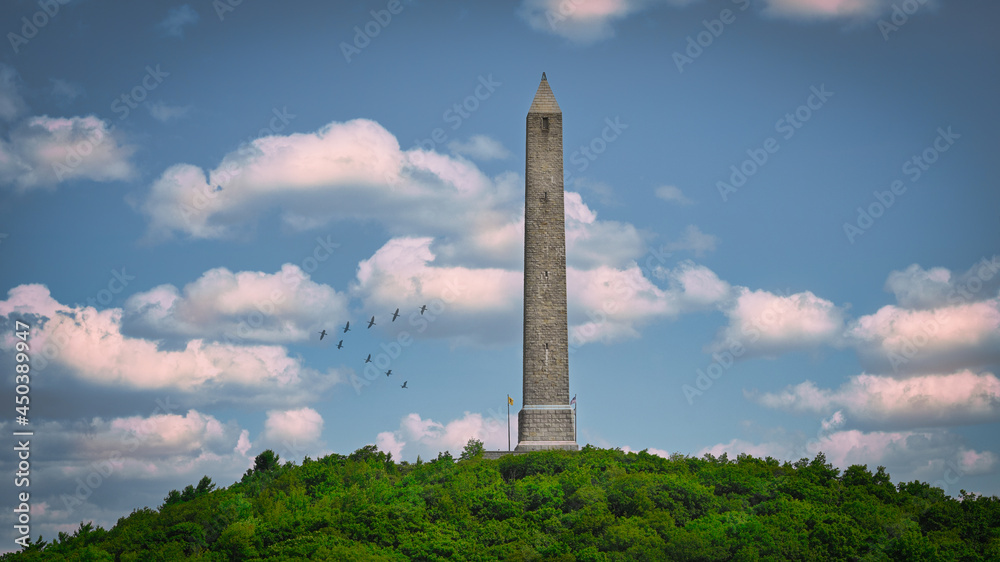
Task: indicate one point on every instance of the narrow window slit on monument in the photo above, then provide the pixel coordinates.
(545, 123)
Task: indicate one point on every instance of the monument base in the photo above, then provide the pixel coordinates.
(528, 446)
(546, 427)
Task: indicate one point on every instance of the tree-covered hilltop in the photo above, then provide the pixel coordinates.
(596, 504)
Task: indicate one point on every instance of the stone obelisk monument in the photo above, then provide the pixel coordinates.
(546, 420)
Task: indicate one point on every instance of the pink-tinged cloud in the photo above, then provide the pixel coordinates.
(426, 437)
(608, 304)
(170, 433)
(155, 447)
(401, 271)
(931, 456)
(580, 21)
(481, 305)
(873, 401)
(766, 324)
(825, 9)
(41, 152)
(485, 304)
(901, 341)
(242, 307)
(733, 449)
(106, 469)
(923, 455)
(88, 345)
(583, 21)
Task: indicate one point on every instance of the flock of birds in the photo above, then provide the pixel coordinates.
(347, 328)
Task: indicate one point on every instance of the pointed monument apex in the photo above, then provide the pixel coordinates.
(545, 100)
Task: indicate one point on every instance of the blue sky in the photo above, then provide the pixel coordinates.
(782, 233)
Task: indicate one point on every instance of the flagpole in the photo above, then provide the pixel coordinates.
(574, 418)
(508, 422)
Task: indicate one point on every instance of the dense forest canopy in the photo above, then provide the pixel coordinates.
(595, 504)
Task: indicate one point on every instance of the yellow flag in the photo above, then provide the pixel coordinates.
(510, 400)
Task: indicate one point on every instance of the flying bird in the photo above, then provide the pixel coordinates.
(395, 315)
(389, 372)
(347, 328)
(423, 308)
(404, 384)
(371, 322)
(340, 344)
(322, 334)
(369, 360)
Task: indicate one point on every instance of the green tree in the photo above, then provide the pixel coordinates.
(266, 461)
(473, 449)
(205, 485)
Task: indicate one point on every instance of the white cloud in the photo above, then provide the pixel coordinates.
(591, 243)
(672, 194)
(469, 264)
(480, 147)
(768, 325)
(243, 443)
(248, 306)
(884, 402)
(44, 151)
(65, 92)
(164, 113)
(88, 344)
(344, 171)
(388, 442)
(920, 289)
(301, 426)
(177, 20)
(604, 193)
(917, 288)
(651, 450)
(694, 240)
(12, 104)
